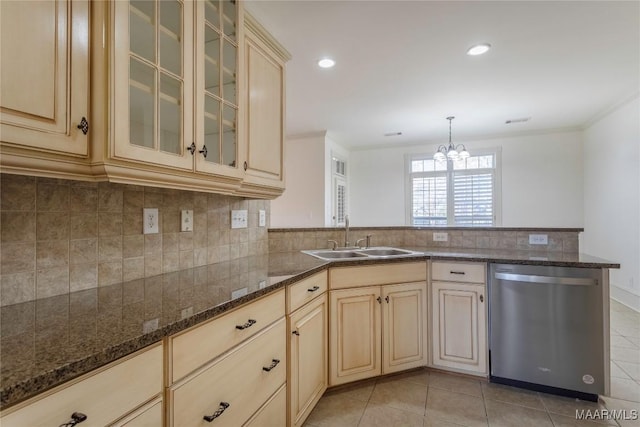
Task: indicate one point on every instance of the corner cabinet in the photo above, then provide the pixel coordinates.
(44, 88)
(264, 103)
(459, 322)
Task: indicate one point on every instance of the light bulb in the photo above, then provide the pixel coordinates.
(439, 157)
(452, 154)
(464, 154)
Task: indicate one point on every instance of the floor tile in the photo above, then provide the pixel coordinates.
(401, 395)
(625, 419)
(380, 415)
(336, 411)
(635, 340)
(563, 421)
(625, 389)
(502, 414)
(617, 372)
(568, 406)
(516, 396)
(455, 383)
(360, 391)
(625, 354)
(631, 369)
(420, 376)
(620, 341)
(429, 421)
(628, 331)
(455, 408)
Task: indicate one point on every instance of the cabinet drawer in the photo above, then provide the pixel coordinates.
(238, 379)
(348, 277)
(146, 416)
(458, 272)
(103, 397)
(199, 345)
(273, 413)
(305, 290)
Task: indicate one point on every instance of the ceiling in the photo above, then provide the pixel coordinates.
(401, 66)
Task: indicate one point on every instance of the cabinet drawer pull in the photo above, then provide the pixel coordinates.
(76, 418)
(457, 272)
(315, 288)
(84, 127)
(481, 298)
(246, 165)
(274, 363)
(249, 323)
(379, 299)
(387, 299)
(223, 406)
(296, 333)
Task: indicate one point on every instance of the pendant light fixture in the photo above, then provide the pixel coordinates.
(451, 152)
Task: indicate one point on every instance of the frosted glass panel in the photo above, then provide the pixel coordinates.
(171, 36)
(212, 129)
(229, 73)
(212, 13)
(142, 92)
(142, 29)
(228, 135)
(212, 61)
(170, 114)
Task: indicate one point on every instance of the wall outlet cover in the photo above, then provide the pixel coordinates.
(239, 218)
(538, 239)
(186, 220)
(150, 219)
(262, 218)
(440, 236)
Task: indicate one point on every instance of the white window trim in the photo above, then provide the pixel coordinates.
(497, 196)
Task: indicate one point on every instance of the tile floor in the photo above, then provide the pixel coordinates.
(426, 398)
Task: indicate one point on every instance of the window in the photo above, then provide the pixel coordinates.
(339, 208)
(455, 193)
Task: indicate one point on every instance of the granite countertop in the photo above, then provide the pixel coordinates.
(46, 342)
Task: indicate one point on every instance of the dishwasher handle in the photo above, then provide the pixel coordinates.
(530, 278)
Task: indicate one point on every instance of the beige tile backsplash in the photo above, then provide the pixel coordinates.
(58, 236)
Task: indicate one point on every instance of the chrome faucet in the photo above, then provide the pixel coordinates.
(346, 231)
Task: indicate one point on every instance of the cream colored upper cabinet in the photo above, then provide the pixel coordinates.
(264, 93)
(217, 87)
(44, 69)
(153, 82)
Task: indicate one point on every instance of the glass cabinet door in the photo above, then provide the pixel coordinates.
(217, 86)
(154, 87)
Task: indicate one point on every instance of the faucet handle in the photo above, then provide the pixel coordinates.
(358, 242)
(335, 244)
(369, 240)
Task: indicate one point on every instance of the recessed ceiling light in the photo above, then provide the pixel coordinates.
(520, 120)
(478, 49)
(393, 134)
(326, 63)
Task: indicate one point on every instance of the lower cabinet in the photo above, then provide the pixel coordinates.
(230, 389)
(376, 330)
(459, 327)
(104, 396)
(307, 358)
(273, 412)
(149, 415)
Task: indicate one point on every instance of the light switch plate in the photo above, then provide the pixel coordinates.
(186, 222)
(239, 218)
(150, 220)
(239, 293)
(262, 218)
(440, 237)
(538, 239)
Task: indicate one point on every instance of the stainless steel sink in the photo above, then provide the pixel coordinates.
(384, 252)
(379, 252)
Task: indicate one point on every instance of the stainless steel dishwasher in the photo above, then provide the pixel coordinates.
(546, 329)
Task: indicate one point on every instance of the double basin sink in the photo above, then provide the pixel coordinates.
(358, 253)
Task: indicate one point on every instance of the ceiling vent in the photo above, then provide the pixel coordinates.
(520, 120)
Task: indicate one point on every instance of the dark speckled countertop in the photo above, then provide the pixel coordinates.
(46, 342)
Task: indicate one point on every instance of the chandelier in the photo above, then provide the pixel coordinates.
(451, 152)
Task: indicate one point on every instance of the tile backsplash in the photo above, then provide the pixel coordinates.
(58, 236)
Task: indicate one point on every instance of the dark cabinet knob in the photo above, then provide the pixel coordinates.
(192, 148)
(203, 151)
(84, 125)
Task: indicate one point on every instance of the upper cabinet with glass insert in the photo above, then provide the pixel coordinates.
(216, 111)
(153, 81)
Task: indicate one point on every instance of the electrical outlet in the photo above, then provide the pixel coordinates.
(150, 325)
(239, 293)
(187, 312)
(262, 284)
(186, 222)
(440, 237)
(239, 218)
(262, 218)
(538, 239)
(150, 220)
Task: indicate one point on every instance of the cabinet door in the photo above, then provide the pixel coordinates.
(216, 113)
(404, 326)
(44, 74)
(308, 358)
(355, 337)
(459, 326)
(273, 413)
(264, 112)
(153, 82)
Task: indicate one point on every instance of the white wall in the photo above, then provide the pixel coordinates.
(542, 182)
(302, 203)
(612, 197)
